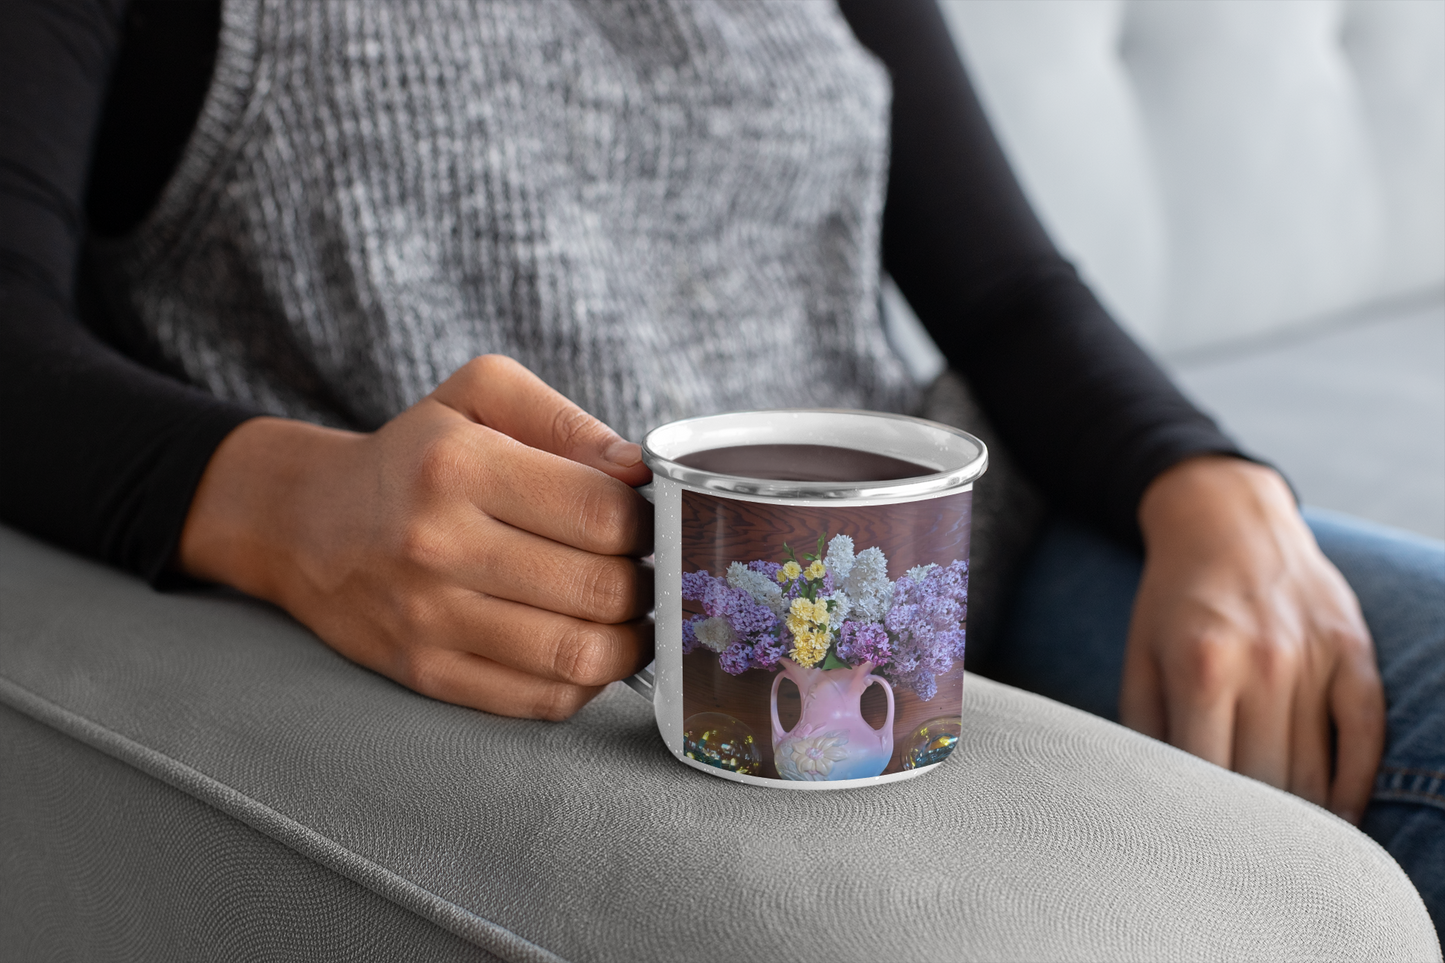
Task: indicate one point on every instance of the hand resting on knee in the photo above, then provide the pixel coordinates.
(1246, 645)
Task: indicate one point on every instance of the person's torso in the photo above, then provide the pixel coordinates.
(663, 208)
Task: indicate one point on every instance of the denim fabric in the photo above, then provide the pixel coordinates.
(1067, 623)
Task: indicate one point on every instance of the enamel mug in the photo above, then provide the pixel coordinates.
(812, 593)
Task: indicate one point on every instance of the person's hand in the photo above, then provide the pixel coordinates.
(483, 547)
(1246, 643)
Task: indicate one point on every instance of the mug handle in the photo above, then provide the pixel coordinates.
(642, 683)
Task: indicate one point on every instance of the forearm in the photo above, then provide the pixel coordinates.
(101, 455)
(1087, 413)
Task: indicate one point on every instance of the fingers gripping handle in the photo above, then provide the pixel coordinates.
(642, 683)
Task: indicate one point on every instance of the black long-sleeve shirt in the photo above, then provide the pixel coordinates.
(102, 452)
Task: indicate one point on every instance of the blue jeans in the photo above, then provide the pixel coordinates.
(1066, 626)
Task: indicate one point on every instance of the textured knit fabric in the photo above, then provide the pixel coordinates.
(1049, 834)
(663, 208)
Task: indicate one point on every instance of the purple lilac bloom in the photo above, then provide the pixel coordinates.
(695, 585)
(768, 651)
(754, 624)
(925, 622)
(746, 615)
(719, 600)
(736, 658)
(751, 617)
(864, 642)
(770, 569)
(919, 639)
(904, 664)
(926, 685)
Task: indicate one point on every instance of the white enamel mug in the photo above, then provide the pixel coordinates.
(810, 634)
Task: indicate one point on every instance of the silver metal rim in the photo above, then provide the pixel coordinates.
(957, 477)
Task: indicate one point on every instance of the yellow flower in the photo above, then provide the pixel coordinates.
(806, 651)
(820, 612)
(810, 645)
(816, 570)
(790, 570)
(802, 608)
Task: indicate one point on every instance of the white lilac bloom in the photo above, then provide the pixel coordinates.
(839, 559)
(842, 607)
(764, 590)
(868, 586)
(716, 634)
(919, 572)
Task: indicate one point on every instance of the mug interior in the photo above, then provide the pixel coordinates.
(956, 458)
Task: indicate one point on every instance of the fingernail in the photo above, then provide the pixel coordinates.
(623, 454)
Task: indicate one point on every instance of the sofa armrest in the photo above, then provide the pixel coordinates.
(1048, 834)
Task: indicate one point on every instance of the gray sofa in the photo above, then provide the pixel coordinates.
(194, 776)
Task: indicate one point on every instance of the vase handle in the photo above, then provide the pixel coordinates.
(778, 731)
(887, 690)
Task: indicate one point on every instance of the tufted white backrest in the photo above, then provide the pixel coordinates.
(1219, 168)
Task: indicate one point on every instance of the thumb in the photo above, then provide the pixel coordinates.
(495, 391)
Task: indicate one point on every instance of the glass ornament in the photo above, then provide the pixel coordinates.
(717, 739)
(932, 742)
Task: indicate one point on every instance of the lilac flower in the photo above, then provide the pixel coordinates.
(768, 651)
(953, 640)
(841, 609)
(736, 658)
(925, 624)
(740, 627)
(718, 600)
(763, 588)
(695, 585)
(903, 664)
(867, 585)
(925, 684)
(864, 642)
(770, 569)
(912, 629)
(839, 558)
(715, 633)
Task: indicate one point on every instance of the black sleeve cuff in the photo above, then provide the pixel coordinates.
(102, 455)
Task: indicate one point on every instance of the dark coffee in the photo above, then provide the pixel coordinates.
(803, 463)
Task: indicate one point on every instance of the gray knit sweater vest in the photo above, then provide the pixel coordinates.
(662, 207)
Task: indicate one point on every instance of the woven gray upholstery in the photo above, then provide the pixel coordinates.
(115, 865)
(1050, 834)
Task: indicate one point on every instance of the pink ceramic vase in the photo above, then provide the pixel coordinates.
(832, 740)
